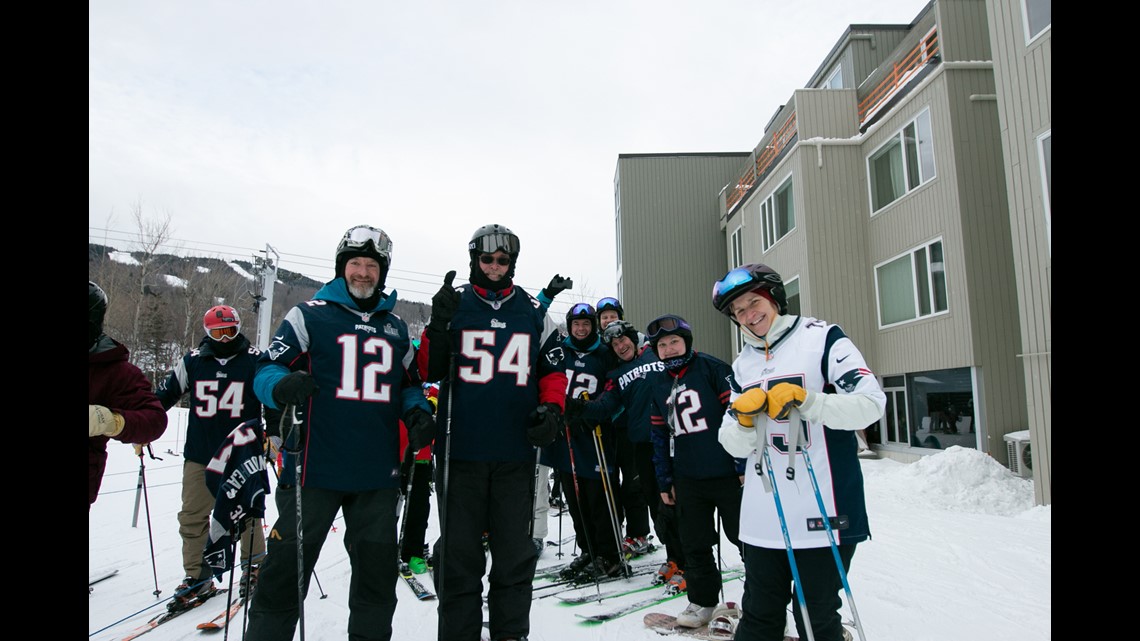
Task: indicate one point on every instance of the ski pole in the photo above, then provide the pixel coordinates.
(295, 439)
(608, 490)
(407, 501)
(149, 531)
(315, 577)
(787, 539)
(578, 498)
(795, 417)
(444, 492)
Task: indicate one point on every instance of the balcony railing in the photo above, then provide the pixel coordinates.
(756, 171)
(901, 72)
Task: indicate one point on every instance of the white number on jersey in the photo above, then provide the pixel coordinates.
(209, 402)
(514, 358)
(369, 387)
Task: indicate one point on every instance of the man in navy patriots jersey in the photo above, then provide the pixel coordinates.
(576, 455)
(218, 377)
(693, 470)
(344, 360)
(500, 398)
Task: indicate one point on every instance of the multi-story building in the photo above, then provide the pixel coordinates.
(879, 192)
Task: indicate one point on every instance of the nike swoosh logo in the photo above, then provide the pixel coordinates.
(840, 360)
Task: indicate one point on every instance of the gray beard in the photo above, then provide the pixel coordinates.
(361, 292)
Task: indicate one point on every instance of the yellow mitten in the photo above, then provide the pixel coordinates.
(104, 421)
(748, 405)
(783, 398)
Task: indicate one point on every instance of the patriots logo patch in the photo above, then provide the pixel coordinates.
(555, 356)
(276, 349)
(849, 381)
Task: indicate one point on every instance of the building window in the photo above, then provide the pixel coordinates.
(736, 251)
(1045, 153)
(894, 425)
(1038, 17)
(911, 286)
(777, 214)
(943, 406)
(902, 163)
(835, 80)
(792, 292)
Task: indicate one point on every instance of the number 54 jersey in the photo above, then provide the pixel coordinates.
(496, 367)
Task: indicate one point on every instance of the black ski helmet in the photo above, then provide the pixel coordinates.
(489, 239)
(610, 302)
(582, 311)
(747, 278)
(370, 242)
(619, 328)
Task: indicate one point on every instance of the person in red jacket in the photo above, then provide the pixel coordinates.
(121, 404)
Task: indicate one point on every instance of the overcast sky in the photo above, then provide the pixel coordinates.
(285, 123)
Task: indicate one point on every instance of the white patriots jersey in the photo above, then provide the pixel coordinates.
(820, 358)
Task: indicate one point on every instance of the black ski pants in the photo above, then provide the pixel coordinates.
(496, 498)
(632, 506)
(593, 527)
(369, 537)
(699, 503)
(664, 516)
(768, 587)
(412, 530)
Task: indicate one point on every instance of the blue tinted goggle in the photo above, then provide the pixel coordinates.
(607, 303)
(491, 243)
(731, 281)
(581, 309)
(359, 237)
(666, 324)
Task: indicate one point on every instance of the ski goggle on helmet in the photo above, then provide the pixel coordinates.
(358, 238)
(747, 278)
(617, 328)
(222, 323)
(492, 238)
(667, 325)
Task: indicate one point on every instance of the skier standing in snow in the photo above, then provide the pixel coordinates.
(499, 400)
(585, 360)
(218, 376)
(693, 470)
(628, 395)
(793, 362)
(120, 403)
(345, 361)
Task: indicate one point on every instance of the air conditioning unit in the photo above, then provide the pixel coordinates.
(1020, 455)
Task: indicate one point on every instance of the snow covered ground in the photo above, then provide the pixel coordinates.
(959, 553)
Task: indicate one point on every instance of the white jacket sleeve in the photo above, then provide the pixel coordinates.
(737, 440)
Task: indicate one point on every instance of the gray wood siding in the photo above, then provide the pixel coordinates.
(826, 113)
(1022, 74)
(962, 26)
(670, 226)
(991, 286)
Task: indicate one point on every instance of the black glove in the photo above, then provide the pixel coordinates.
(581, 426)
(557, 284)
(421, 429)
(545, 425)
(294, 389)
(574, 408)
(444, 304)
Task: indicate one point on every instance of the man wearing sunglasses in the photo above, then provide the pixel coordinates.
(500, 398)
(804, 364)
(218, 377)
(344, 361)
(627, 396)
(693, 471)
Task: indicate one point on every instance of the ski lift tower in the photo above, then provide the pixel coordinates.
(265, 300)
